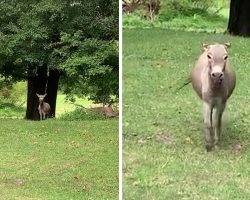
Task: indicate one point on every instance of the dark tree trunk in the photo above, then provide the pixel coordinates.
(37, 84)
(239, 18)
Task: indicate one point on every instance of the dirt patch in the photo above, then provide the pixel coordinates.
(164, 137)
(238, 148)
(19, 182)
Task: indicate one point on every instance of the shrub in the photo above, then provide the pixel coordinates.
(12, 92)
(172, 8)
(81, 114)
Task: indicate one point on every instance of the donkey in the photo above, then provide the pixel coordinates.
(43, 108)
(213, 79)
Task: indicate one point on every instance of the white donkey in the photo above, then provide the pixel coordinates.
(43, 108)
(214, 80)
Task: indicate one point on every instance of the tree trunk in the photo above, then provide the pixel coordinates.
(239, 18)
(37, 84)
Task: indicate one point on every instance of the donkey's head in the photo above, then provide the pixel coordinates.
(217, 58)
(41, 97)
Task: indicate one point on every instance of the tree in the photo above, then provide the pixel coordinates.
(239, 18)
(41, 38)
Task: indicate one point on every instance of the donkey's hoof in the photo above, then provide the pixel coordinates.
(209, 147)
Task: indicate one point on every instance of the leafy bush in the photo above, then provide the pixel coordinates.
(10, 110)
(188, 15)
(169, 9)
(135, 20)
(11, 92)
(81, 114)
(172, 8)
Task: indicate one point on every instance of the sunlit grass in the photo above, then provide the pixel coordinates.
(56, 159)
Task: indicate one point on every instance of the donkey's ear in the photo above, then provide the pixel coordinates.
(45, 95)
(227, 45)
(37, 94)
(205, 46)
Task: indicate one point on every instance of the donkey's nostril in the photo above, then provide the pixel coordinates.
(217, 75)
(213, 75)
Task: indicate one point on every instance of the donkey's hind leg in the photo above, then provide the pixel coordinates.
(208, 125)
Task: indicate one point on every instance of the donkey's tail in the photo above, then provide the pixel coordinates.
(187, 81)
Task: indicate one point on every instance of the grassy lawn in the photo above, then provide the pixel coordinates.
(74, 157)
(163, 149)
(57, 159)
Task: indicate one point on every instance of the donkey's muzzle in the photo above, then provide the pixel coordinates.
(217, 77)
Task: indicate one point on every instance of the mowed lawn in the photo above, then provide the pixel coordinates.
(58, 160)
(163, 147)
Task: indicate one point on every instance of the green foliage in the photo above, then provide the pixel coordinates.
(190, 15)
(37, 34)
(172, 8)
(95, 66)
(11, 110)
(12, 92)
(81, 114)
(136, 21)
(12, 98)
(198, 23)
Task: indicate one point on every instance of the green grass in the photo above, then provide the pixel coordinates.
(58, 160)
(163, 150)
(74, 156)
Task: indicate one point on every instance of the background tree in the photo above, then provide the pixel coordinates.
(239, 18)
(74, 40)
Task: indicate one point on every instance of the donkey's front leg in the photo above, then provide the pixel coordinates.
(41, 115)
(208, 125)
(217, 122)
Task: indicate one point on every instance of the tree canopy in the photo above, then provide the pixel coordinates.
(77, 38)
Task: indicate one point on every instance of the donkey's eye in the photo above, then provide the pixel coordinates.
(225, 57)
(209, 57)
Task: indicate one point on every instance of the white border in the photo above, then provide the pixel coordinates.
(120, 99)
